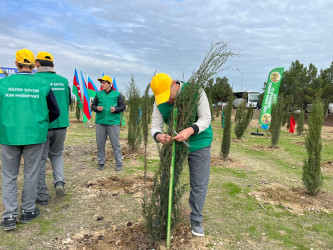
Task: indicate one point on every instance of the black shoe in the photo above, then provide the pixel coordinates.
(60, 189)
(119, 168)
(8, 224)
(101, 167)
(42, 203)
(28, 216)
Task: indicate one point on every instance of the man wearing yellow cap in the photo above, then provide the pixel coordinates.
(54, 146)
(200, 137)
(108, 105)
(27, 105)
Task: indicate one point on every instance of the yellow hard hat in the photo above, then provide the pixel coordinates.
(44, 56)
(105, 78)
(160, 85)
(25, 56)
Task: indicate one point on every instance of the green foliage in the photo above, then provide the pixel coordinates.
(277, 116)
(155, 207)
(72, 105)
(217, 111)
(225, 146)
(145, 119)
(300, 123)
(208, 91)
(134, 103)
(301, 84)
(242, 119)
(220, 90)
(122, 113)
(312, 178)
(77, 111)
(285, 116)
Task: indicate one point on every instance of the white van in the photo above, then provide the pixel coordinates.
(250, 97)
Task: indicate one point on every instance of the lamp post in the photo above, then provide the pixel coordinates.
(242, 77)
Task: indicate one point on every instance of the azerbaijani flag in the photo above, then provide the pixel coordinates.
(92, 89)
(114, 85)
(76, 89)
(86, 104)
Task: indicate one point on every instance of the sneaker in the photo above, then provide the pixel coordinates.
(101, 167)
(197, 228)
(42, 203)
(28, 216)
(119, 168)
(60, 189)
(8, 223)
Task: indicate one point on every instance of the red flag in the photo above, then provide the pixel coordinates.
(292, 125)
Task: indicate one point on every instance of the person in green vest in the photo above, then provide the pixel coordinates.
(56, 135)
(27, 105)
(200, 137)
(108, 105)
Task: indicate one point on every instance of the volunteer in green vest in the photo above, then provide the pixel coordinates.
(54, 146)
(27, 105)
(200, 137)
(108, 105)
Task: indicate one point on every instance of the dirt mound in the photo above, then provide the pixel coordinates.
(295, 200)
(132, 236)
(328, 165)
(259, 147)
(218, 162)
(236, 140)
(116, 185)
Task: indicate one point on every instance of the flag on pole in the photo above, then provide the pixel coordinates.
(292, 125)
(86, 104)
(92, 89)
(114, 85)
(270, 97)
(76, 89)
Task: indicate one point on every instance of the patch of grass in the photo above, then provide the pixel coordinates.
(228, 171)
(232, 188)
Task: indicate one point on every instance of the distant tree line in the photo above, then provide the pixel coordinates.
(300, 86)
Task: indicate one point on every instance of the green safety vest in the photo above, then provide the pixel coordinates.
(59, 86)
(107, 101)
(197, 141)
(24, 115)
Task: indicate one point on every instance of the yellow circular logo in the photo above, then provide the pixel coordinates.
(266, 118)
(275, 77)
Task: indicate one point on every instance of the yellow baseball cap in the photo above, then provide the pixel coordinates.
(160, 85)
(105, 78)
(25, 56)
(44, 56)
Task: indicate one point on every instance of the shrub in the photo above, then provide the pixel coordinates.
(242, 119)
(277, 116)
(300, 123)
(312, 178)
(225, 146)
(134, 133)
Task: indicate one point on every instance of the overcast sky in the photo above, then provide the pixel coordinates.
(124, 38)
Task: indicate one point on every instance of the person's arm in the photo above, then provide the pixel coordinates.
(52, 105)
(94, 105)
(157, 125)
(121, 105)
(203, 121)
(204, 114)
